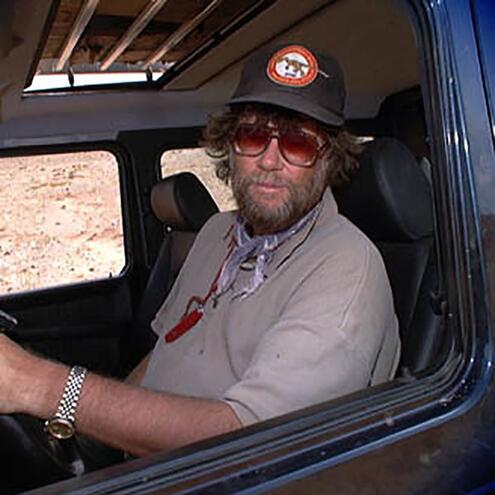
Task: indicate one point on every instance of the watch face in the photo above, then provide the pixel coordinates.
(60, 428)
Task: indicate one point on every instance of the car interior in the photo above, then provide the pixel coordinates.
(188, 55)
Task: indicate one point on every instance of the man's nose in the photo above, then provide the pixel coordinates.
(271, 159)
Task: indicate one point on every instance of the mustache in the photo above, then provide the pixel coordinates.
(267, 179)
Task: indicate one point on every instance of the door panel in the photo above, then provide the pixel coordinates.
(75, 324)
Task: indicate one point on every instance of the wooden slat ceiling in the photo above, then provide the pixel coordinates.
(108, 21)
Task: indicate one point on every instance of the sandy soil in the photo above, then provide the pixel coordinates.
(60, 219)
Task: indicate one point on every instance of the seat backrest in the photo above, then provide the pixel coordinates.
(390, 200)
(183, 205)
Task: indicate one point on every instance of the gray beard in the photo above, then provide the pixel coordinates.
(301, 198)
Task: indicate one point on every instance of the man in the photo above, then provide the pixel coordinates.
(279, 306)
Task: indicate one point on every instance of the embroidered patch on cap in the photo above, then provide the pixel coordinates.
(293, 66)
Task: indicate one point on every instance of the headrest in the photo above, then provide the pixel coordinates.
(389, 197)
(182, 202)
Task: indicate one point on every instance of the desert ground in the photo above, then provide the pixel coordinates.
(60, 215)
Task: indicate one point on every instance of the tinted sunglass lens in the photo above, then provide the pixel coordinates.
(299, 148)
(250, 141)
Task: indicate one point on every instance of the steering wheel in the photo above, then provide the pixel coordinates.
(30, 458)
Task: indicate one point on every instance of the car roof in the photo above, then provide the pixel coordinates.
(35, 32)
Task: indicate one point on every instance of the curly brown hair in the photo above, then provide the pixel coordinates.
(341, 158)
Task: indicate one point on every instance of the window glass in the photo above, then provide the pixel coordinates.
(196, 161)
(60, 220)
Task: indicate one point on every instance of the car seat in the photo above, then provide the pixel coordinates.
(183, 205)
(390, 200)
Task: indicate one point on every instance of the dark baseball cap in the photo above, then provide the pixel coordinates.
(297, 78)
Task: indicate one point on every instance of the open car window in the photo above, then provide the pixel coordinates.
(64, 227)
(196, 161)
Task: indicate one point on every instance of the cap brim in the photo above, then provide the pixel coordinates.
(294, 102)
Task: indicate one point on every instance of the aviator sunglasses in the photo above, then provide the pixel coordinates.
(298, 147)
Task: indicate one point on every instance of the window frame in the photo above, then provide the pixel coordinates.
(486, 48)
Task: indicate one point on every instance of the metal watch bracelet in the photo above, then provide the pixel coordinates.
(62, 424)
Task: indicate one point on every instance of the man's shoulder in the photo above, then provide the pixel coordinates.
(333, 231)
(342, 240)
(217, 226)
(219, 220)
(339, 229)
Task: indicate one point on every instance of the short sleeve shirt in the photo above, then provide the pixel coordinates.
(321, 325)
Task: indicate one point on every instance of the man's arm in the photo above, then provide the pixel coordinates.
(121, 415)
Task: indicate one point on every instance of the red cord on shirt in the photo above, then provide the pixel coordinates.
(190, 318)
(187, 322)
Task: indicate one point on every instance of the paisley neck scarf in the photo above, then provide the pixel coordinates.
(258, 247)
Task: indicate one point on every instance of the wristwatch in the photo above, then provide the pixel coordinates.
(61, 425)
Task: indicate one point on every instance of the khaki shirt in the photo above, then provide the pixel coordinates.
(321, 325)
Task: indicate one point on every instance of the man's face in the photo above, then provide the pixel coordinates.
(273, 194)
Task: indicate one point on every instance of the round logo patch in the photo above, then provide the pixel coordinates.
(293, 66)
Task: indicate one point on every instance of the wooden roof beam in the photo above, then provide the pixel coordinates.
(175, 38)
(133, 32)
(83, 17)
